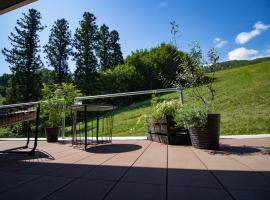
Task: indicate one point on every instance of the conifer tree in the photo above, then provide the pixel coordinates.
(116, 56)
(86, 62)
(24, 59)
(58, 49)
(103, 47)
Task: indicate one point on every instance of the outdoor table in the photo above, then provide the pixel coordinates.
(98, 110)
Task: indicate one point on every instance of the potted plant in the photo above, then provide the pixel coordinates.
(52, 108)
(197, 116)
(56, 100)
(203, 126)
(162, 126)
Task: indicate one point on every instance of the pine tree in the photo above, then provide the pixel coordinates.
(23, 58)
(86, 62)
(116, 56)
(103, 47)
(58, 49)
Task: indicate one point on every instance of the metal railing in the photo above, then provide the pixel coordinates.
(121, 106)
(21, 113)
(77, 99)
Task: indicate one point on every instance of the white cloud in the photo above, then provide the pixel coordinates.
(247, 54)
(219, 42)
(163, 4)
(244, 37)
(243, 54)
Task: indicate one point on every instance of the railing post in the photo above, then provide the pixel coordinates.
(64, 121)
(181, 96)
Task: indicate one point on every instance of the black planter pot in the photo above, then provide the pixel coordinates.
(207, 137)
(52, 134)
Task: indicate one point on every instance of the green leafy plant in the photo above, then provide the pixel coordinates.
(56, 100)
(193, 74)
(161, 109)
(191, 116)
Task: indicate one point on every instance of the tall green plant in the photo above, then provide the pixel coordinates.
(58, 49)
(85, 38)
(195, 76)
(56, 102)
(24, 59)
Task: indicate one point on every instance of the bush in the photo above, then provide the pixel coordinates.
(191, 116)
(163, 109)
(54, 99)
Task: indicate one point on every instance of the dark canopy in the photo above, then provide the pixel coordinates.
(8, 5)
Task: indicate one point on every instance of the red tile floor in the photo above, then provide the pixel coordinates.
(138, 170)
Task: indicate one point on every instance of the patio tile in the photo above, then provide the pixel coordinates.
(141, 171)
(185, 169)
(151, 167)
(109, 173)
(70, 170)
(115, 167)
(146, 175)
(243, 180)
(35, 189)
(219, 161)
(256, 161)
(251, 194)
(192, 178)
(181, 157)
(196, 193)
(83, 189)
(136, 191)
(8, 180)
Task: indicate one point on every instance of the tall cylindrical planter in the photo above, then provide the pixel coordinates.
(52, 134)
(207, 137)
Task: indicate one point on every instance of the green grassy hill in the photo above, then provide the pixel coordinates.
(240, 63)
(243, 99)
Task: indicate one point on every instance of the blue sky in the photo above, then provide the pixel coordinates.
(239, 29)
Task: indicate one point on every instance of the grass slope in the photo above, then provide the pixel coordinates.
(243, 99)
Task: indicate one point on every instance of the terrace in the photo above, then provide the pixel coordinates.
(131, 167)
(138, 169)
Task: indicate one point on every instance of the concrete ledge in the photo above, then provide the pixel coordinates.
(245, 136)
(144, 137)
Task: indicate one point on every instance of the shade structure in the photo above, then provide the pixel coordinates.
(9, 5)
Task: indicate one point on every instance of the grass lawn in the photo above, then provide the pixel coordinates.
(243, 99)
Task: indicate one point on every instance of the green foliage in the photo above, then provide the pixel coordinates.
(116, 56)
(47, 76)
(24, 59)
(86, 62)
(122, 78)
(4, 79)
(58, 49)
(164, 108)
(194, 75)
(108, 48)
(103, 46)
(191, 116)
(162, 61)
(52, 106)
(56, 99)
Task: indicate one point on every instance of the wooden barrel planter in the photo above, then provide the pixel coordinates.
(207, 137)
(165, 132)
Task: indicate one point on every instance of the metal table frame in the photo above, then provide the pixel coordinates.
(88, 108)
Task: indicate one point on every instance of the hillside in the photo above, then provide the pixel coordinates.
(240, 63)
(243, 99)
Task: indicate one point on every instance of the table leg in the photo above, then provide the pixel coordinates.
(97, 128)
